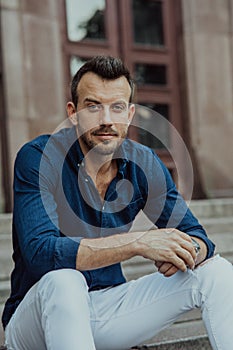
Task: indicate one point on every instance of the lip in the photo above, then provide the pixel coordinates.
(105, 136)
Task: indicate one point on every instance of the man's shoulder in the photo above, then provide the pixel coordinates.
(47, 142)
(29, 155)
(39, 142)
(133, 149)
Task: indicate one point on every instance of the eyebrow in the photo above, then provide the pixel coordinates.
(88, 99)
(91, 100)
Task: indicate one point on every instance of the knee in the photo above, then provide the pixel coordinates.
(64, 283)
(216, 263)
(217, 269)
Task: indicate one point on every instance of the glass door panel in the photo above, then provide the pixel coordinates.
(143, 34)
(148, 22)
(152, 126)
(76, 63)
(86, 20)
(151, 74)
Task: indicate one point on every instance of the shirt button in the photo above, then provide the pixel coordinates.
(103, 207)
(86, 180)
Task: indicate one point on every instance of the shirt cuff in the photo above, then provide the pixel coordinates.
(209, 244)
(66, 252)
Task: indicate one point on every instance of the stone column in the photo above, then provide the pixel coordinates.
(208, 27)
(32, 57)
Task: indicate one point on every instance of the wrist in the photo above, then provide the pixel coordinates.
(201, 256)
(196, 245)
(137, 244)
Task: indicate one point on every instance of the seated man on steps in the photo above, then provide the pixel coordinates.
(76, 195)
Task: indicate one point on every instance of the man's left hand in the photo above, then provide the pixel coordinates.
(168, 269)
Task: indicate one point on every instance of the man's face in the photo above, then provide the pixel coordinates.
(104, 113)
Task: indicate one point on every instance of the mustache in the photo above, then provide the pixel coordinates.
(105, 130)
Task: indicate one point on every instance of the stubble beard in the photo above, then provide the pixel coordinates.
(104, 148)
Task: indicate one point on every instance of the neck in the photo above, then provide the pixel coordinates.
(97, 164)
(102, 170)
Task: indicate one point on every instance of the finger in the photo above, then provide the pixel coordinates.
(177, 261)
(185, 242)
(178, 234)
(190, 248)
(171, 271)
(158, 264)
(174, 255)
(177, 255)
(184, 236)
(165, 267)
(183, 239)
(187, 257)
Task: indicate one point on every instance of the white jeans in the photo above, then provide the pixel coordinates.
(59, 313)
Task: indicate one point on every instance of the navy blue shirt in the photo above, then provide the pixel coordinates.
(56, 204)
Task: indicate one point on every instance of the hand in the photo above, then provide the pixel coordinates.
(170, 248)
(165, 268)
(168, 269)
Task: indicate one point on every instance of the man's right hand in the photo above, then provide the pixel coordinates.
(169, 246)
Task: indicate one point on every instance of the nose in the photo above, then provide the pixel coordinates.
(105, 115)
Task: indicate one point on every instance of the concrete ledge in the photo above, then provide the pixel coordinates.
(220, 207)
(200, 343)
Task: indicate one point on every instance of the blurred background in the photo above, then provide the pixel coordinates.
(180, 53)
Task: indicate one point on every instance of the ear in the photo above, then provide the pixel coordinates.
(71, 111)
(131, 112)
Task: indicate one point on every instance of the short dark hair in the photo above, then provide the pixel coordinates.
(106, 67)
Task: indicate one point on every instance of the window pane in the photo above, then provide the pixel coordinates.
(148, 22)
(76, 63)
(150, 74)
(148, 121)
(85, 19)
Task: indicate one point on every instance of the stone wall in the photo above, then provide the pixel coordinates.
(1, 188)
(32, 58)
(208, 35)
(34, 79)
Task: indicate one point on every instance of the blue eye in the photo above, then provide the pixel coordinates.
(94, 108)
(118, 107)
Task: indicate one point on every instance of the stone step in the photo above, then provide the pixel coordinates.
(188, 332)
(182, 335)
(1, 330)
(217, 225)
(5, 223)
(211, 223)
(4, 290)
(6, 261)
(193, 343)
(208, 208)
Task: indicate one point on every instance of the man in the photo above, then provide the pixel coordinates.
(76, 196)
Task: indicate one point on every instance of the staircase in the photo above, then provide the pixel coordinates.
(187, 333)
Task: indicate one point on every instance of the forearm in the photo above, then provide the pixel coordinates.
(100, 252)
(164, 245)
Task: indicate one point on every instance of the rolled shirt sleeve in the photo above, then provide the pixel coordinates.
(43, 246)
(166, 207)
